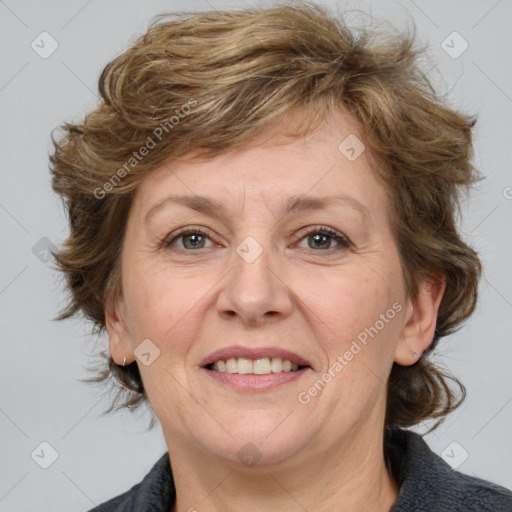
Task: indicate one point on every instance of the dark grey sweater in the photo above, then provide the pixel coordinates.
(427, 484)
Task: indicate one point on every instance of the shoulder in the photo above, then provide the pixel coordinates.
(155, 492)
(428, 483)
(481, 494)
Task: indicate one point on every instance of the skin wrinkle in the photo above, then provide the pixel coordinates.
(215, 209)
(359, 242)
(319, 303)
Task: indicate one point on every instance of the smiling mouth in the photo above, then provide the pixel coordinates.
(261, 366)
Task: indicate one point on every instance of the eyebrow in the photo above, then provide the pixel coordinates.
(294, 204)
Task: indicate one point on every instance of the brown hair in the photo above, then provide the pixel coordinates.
(210, 82)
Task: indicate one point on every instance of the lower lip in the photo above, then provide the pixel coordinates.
(255, 382)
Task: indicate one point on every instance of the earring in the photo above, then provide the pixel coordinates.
(124, 361)
(414, 354)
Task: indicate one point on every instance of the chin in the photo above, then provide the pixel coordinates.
(257, 440)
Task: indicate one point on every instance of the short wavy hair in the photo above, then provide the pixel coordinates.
(209, 82)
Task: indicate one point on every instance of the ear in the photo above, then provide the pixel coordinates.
(421, 319)
(119, 338)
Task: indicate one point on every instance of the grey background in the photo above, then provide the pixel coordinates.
(41, 361)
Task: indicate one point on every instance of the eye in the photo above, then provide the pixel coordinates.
(192, 238)
(321, 238)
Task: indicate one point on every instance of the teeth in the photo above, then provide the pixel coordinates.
(263, 366)
(277, 365)
(231, 365)
(244, 365)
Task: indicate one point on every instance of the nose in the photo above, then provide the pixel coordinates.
(256, 291)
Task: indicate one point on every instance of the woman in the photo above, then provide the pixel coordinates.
(262, 220)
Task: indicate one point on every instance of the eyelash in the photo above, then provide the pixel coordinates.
(343, 242)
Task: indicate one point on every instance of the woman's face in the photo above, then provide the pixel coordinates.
(262, 276)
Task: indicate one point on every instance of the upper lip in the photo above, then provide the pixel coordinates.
(254, 353)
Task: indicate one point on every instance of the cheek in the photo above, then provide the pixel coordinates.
(168, 308)
(360, 312)
(155, 304)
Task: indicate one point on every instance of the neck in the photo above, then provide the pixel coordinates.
(351, 475)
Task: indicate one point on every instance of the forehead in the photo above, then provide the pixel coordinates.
(276, 171)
